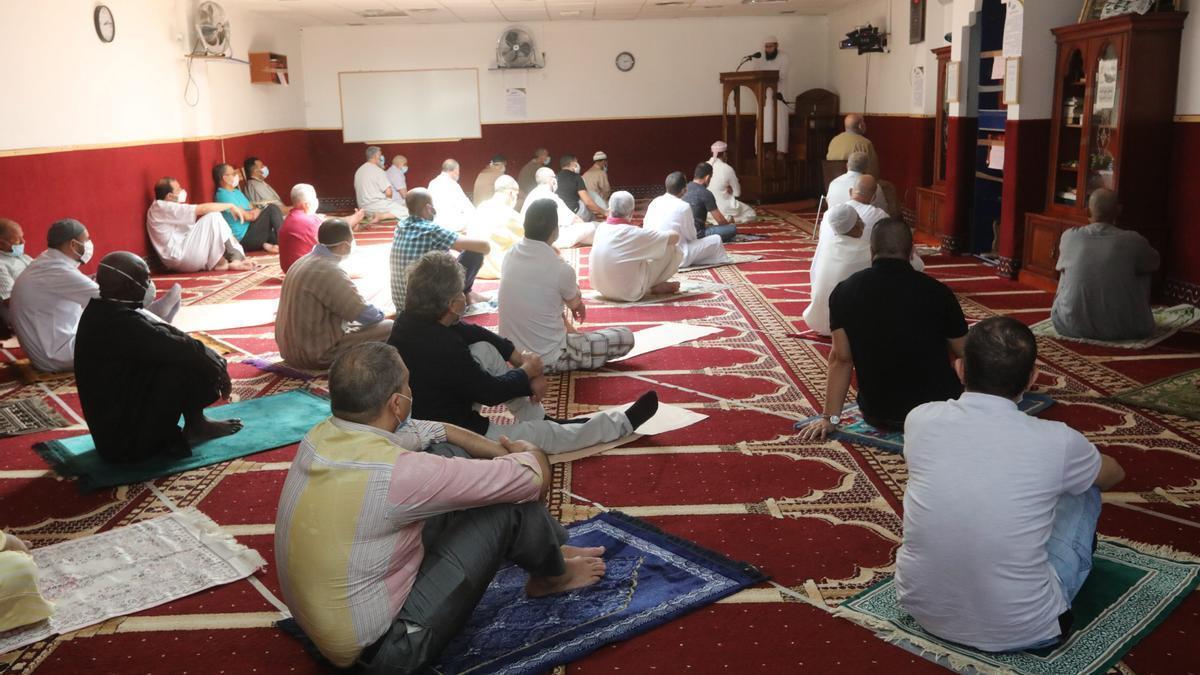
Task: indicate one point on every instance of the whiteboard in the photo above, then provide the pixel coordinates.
(410, 105)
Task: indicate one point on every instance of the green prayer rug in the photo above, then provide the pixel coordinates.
(1167, 322)
(1176, 395)
(1131, 590)
(269, 422)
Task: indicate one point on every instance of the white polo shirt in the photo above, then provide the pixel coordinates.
(534, 283)
(983, 483)
(47, 301)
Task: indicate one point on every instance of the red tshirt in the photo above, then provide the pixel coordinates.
(297, 236)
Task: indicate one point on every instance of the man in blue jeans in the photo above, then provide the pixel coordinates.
(704, 206)
(1001, 508)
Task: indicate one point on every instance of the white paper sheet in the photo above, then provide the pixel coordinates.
(1014, 28)
(996, 157)
(237, 314)
(667, 335)
(668, 418)
(918, 88)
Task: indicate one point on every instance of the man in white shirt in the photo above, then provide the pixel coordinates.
(454, 208)
(596, 179)
(669, 213)
(373, 191)
(628, 263)
(192, 237)
(497, 222)
(840, 253)
(13, 262)
(840, 187)
(726, 188)
(48, 298)
(395, 176)
(1001, 508)
(572, 231)
(535, 286)
(773, 59)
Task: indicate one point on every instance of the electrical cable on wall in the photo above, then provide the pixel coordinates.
(867, 85)
(191, 81)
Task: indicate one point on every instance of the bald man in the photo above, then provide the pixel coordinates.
(138, 375)
(13, 262)
(419, 234)
(1104, 277)
(527, 178)
(395, 176)
(839, 190)
(454, 208)
(853, 140)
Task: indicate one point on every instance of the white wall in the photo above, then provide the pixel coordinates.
(64, 87)
(676, 71)
(1187, 100)
(891, 72)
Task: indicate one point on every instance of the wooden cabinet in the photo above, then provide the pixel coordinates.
(931, 199)
(1114, 101)
(929, 211)
(268, 68)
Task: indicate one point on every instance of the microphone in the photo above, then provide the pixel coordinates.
(755, 55)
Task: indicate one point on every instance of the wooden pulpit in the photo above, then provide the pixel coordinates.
(764, 174)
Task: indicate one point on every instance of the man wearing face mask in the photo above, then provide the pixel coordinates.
(13, 262)
(395, 176)
(373, 190)
(49, 297)
(321, 313)
(454, 208)
(137, 375)
(419, 234)
(527, 178)
(256, 229)
(497, 221)
(572, 231)
(192, 237)
(574, 192)
(257, 189)
(298, 234)
(596, 179)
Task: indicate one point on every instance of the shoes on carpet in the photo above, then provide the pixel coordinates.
(642, 409)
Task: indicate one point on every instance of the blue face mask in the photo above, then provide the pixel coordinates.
(404, 169)
(408, 418)
(17, 251)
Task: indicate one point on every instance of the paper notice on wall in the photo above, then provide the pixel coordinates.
(918, 88)
(996, 157)
(1106, 85)
(515, 103)
(1014, 28)
(997, 68)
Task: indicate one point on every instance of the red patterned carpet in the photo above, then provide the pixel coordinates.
(822, 520)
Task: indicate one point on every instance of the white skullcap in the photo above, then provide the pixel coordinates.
(544, 175)
(719, 146)
(770, 39)
(506, 182)
(842, 218)
(599, 156)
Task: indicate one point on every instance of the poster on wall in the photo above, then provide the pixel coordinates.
(515, 103)
(918, 88)
(1014, 28)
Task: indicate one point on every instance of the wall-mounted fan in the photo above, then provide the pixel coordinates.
(515, 49)
(212, 29)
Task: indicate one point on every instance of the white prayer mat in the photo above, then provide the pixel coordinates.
(223, 316)
(668, 418)
(131, 569)
(687, 288)
(1167, 322)
(667, 335)
(10, 343)
(730, 259)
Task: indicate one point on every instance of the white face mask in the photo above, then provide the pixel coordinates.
(17, 251)
(88, 249)
(407, 418)
(234, 180)
(181, 197)
(151, 292)
(265, 172)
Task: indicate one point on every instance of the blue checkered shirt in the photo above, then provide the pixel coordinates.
(414, 238)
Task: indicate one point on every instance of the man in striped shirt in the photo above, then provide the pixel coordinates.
(386, 537)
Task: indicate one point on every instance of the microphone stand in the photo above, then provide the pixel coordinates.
(744, 62)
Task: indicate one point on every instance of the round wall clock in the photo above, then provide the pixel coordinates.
(106, 28)
(625, 62)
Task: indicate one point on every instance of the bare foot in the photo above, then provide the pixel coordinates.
(242, 265)
(665, 288)
(203, 429)
(475, 298)
(581, 551)
(270, 248)
(580, 572)
(221, 266)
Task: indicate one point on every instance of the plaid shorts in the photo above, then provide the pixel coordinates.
(588, 351)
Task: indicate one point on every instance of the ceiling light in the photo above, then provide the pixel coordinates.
(383, 14)
(570, 12)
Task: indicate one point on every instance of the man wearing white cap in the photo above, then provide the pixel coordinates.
(726, 188)
(596, 180)
(842, 251)
(773, 59)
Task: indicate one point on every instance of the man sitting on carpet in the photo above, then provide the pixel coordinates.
(628, 262)
(853, 140)
(572, 231)
(49, 297)
(384, 545)
(1105, 274)
(596, 179)
(669, 213)
(499, 224)
(257, 189)
(1001, 507)
(527, 176)
(704, 206)
(396, 176)
(839, 255)
(321, 313)
(138, 375)
(298, 234)
(895, 327)
(21, 602)
(458, 367)
(13, 261)
(417, 234)
(192, 237)
(536, 285)
(574, 192)
(726, 187)
(840, 187)
(862, 200)
(454, 208)
(257, 229)
(373, 191)
(485, 181)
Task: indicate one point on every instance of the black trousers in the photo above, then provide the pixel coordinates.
(264, 229)
(471, 263)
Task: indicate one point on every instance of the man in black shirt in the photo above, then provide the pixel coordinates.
(574, 192)
(895, 327)
(456, 367)
(138, 375)
(704, 204)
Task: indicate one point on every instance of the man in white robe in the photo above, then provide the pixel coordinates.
(773, 59)
(843, 252)
(840, 187)
(454, 208)
(669, 213)
(726, 188)
(628, 262)
(862, 196)
(497, 222)
(373, 191)
(572, 231)
(396, 176)
(192, 237)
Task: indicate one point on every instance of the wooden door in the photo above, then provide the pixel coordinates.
(1041, 245)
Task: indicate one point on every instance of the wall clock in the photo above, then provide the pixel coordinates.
(625, 62)
(106, 28)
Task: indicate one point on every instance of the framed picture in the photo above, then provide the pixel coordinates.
(1091, 10)
(953, 84)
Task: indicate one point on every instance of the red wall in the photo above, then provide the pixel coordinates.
(1183, 260)
(905, 149)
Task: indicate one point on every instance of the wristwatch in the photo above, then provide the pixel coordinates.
(833, 419)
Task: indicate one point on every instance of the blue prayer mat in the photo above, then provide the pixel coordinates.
(652, 578)
(853, 429)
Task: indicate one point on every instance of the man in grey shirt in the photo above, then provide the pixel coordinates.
(1104, 281)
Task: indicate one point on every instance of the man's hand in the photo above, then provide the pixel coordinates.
(537, 388)
(532, 364)
(253, 214)
(579, 312)
(817, 430)
(238, 213)
(517, 446)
